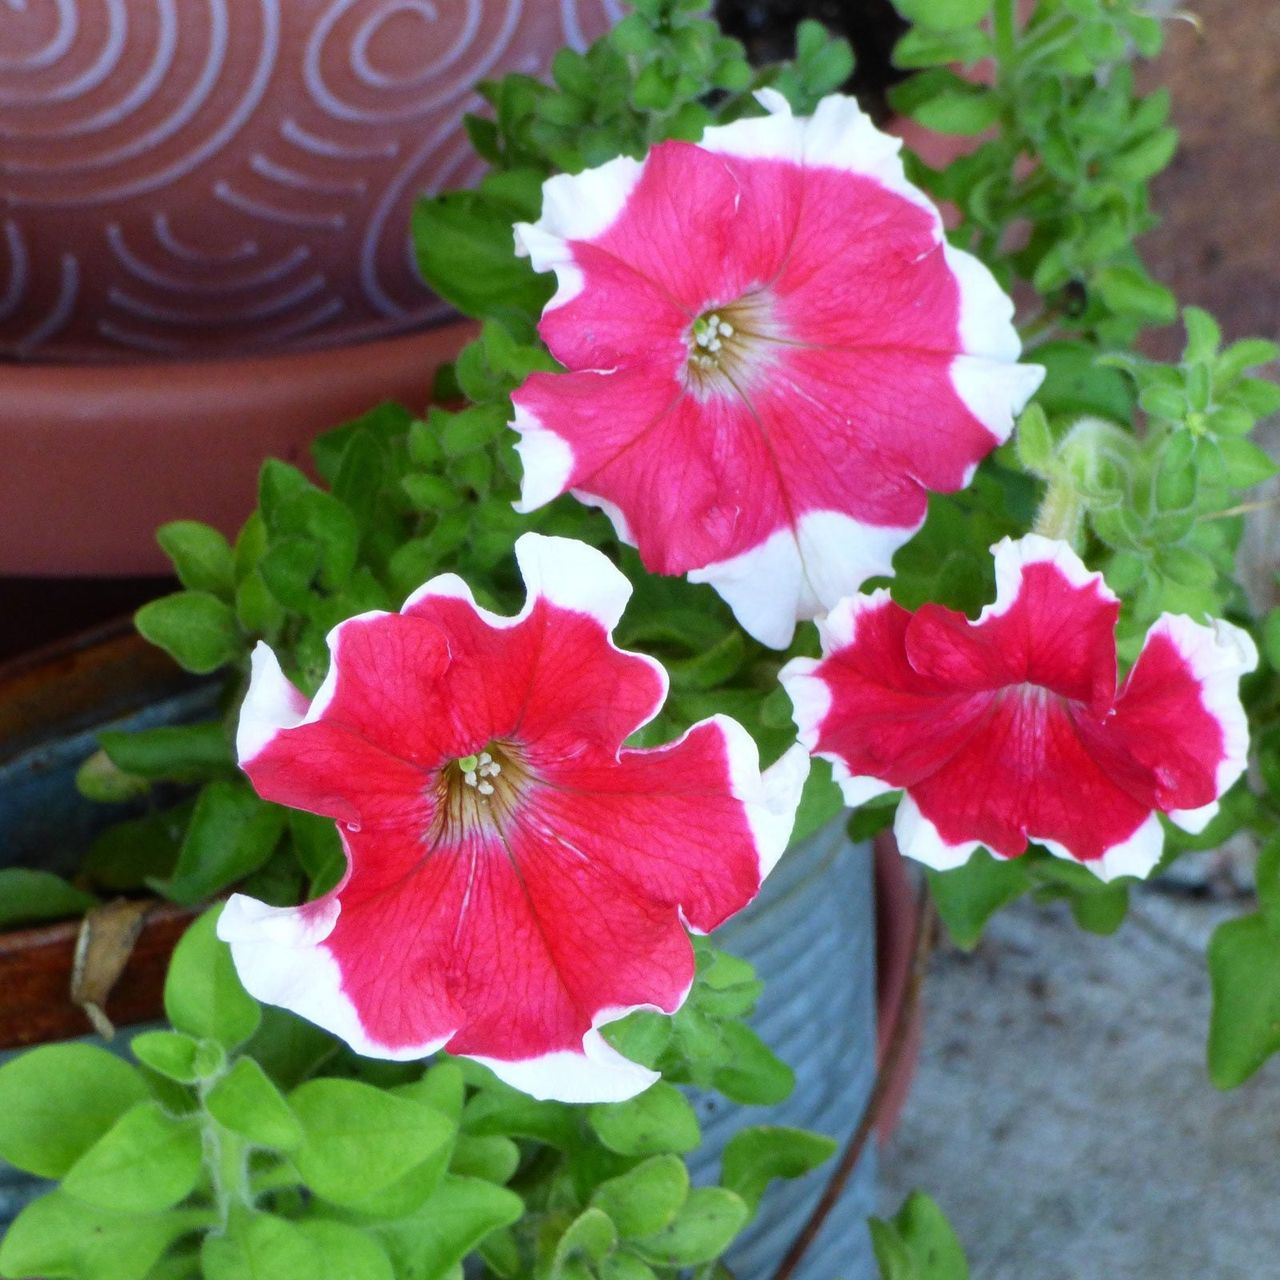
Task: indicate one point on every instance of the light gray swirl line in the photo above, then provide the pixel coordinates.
(92, 76)
(312, 285)
(17, 269)
(267, 168)
(377, 219)
(218, 139)
(292, 131)
(267, 337)
(569, 24)
(330, 103)
(61, 310)
(194, 100)
(302, 324)
(186, 284)
(164, 233)
(224, 191)
(144, 341)
(63, 38)
(365, 32)
(161, 63)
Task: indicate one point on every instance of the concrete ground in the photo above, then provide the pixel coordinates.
(1062, 1115)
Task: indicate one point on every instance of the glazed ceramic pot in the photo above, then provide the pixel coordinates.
(204, 247)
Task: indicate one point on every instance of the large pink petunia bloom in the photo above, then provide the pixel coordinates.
(1011, 729)
(516, 878)
(773, 355)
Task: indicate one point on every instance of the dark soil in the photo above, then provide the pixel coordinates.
(767, 28)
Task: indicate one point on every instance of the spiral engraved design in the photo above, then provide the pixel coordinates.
(200, 177)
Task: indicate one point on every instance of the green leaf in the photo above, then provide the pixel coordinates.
(969, 896)
(200, 554)
(923, 48)
(428, 1245)
(1244, 971)
(232, 834)
(202, 994)
(58, 1100)
(645, 1199)
(1034, 441)
(1247, 464)
(124, 855)
(262, 1247)
(147, 1161)
(359, 1139)
(700, 1232)
(1101, 910)
(940, 100)
(943, 15)
(466, 252)
(590, 1237)
(346, 1252)
(27, 897)
(1075, 383)
(196, 629)
(754, 1157)
(59, 1236)
(656, 1121)
(1130, 291)
(1204, 335)
(1144, 159)
(753, 1074)
(1248, 353)
(169, 1052)
(493, 1158)
(918, 1244)
(178, 753)
(247, 1103)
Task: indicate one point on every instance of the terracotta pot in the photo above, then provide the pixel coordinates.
(216, 184)
(234, 177)
(96, 456)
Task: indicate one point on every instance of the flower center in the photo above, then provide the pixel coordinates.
(479, 793)
(729, 344)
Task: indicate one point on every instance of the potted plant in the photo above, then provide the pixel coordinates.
(481, 766)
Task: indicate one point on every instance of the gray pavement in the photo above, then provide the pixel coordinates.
(1062, 1115)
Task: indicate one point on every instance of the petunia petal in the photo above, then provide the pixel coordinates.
(1180, 713)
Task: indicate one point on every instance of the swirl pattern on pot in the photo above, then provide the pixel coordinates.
(212, 177)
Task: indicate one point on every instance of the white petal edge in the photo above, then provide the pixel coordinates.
(278, 954)
(1135, 856)
(918, 838)
(797, 574)
(1013, 556)
(993, 391)
(839, 135)
(546, 461)
(1218, 655)
(598, 1074)
(577, 206)
(271, 703)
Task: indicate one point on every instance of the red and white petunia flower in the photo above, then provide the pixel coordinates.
(1010, 728)
(773, 355)
(516, 878)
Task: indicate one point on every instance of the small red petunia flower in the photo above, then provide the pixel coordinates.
(516, 878)
(1010, 728)
(773, 355)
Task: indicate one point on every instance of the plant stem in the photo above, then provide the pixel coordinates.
(902, 1022)
(1006, 33)
(1061, 511)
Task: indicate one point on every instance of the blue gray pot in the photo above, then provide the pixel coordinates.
(811, 937)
